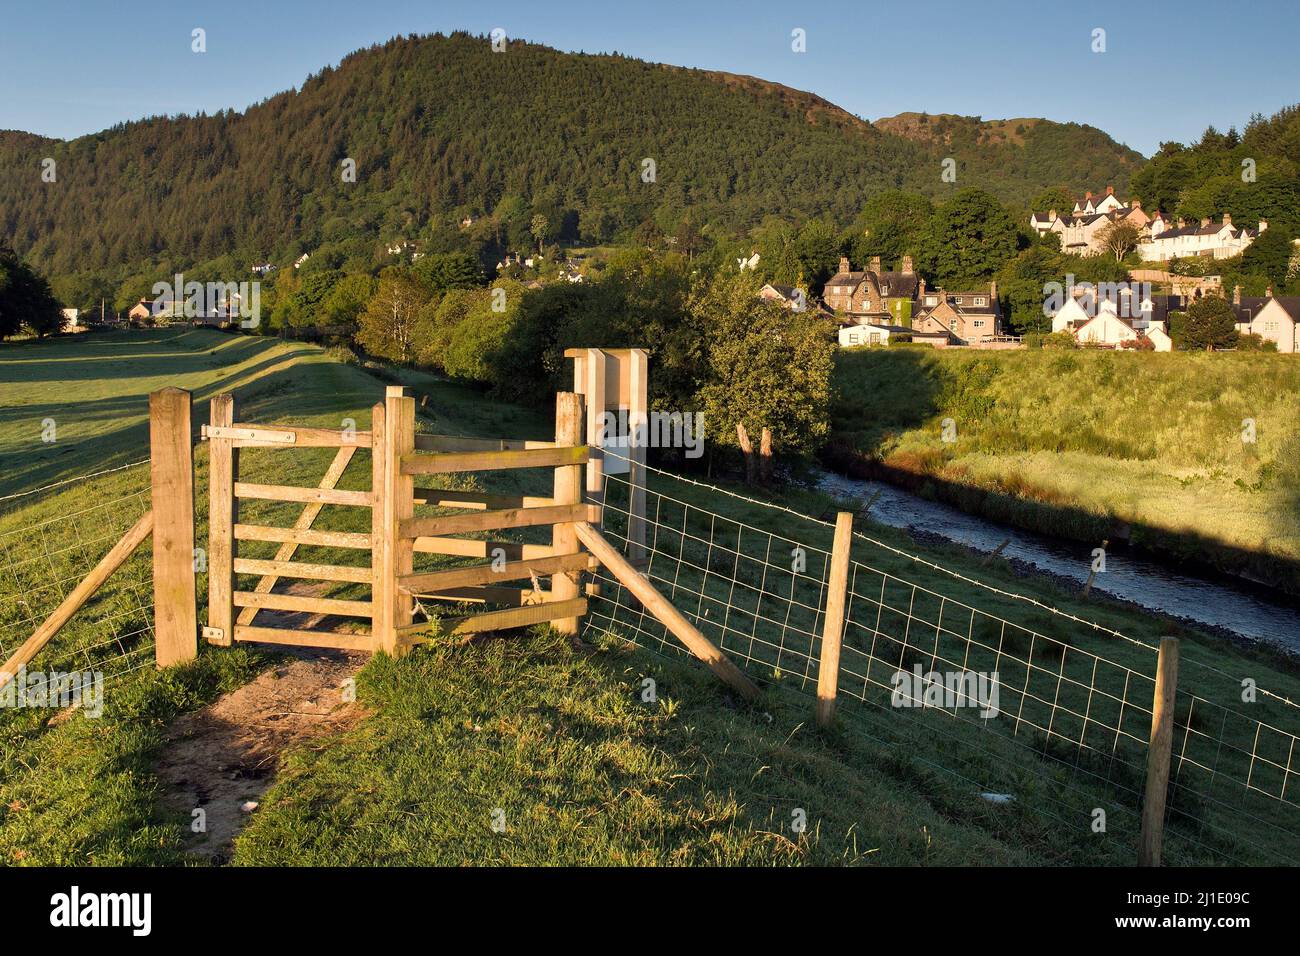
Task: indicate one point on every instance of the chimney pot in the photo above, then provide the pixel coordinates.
(1236, 295)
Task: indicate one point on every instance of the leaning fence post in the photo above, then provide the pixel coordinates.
(568, 491)
(1162, 739)
(222, 458)
(828, 673)
(171, 468)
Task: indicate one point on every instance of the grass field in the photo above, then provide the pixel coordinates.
(554, 735)
(1092, 444)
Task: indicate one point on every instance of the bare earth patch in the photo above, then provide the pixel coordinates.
(224, 756)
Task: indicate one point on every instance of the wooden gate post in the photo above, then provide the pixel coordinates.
(392, 502)
(568, 491)
(1162, 739)
(223, 460)
(828, 673)
(171, 467)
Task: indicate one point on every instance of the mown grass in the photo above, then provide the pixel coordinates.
(584, 770)
(1083, 443)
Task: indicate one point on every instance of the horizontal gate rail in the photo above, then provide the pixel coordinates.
(324, 539)
(473, 548)
(434, 581)
(243, 435)
(448, 498)
(496, 520)
(494, 620)
(455, 443)
(297, 569)
(338, 640)
(324, 496)
(302, 602)
(495, 460)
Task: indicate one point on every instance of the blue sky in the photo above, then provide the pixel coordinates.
(1169, 70)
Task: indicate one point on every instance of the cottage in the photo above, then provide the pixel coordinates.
(965, 318)
(1081, 232)
(1274, 319)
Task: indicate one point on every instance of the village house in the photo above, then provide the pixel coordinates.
(1182, 241)
(963, 318)
(1274, 319)
(1081, 230)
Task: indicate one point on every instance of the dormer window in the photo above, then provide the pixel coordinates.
(980, 300)
(958, 300)
(931, 300)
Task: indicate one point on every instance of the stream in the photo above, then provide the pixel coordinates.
(1251, 611)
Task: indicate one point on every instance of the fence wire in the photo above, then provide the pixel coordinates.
(44, 556)
(912, 656)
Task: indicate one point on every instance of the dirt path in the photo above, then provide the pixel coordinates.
(224, 757)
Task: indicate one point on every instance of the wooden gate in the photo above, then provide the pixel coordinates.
(399, 457)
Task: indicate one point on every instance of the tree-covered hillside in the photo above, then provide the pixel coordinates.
(442, 128)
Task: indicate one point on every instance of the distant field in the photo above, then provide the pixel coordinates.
(1086, 443)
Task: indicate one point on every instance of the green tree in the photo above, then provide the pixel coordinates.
(26, 302)
(539, 227)
(891, 225)
(767, 368)
(968, 239)
(1210, 324)
(390, 324)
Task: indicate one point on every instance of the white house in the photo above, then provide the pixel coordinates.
(1273, 319)
(1105, 328)
(852, 335)
(1080, 231)
(1159, 337)
(1221, 241)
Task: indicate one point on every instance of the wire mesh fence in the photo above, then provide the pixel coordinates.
(982, 696)
(45, 551)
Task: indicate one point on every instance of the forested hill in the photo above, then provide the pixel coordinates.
(442, 127)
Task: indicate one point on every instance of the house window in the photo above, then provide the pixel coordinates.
(931, 300)
(979, 323)
(980, 300)
(958, 300)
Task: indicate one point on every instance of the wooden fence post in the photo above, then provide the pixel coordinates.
(383, 582)
(568, 491)
(398, 493)
(222, 462)
(1162, 739)
(171, 468)
(828, 673)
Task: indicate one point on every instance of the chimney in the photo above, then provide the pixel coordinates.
(1088, 194)
(1135, 203)
(1205, 221)
(844, 263)
(907, 265)
(920, 290)
(1263, 224)
(1268, 293)
(1236, 295)
(1181, 222)
(1110, 190)
(993, 292)
(1227, 219)
(875, 264)
(1051, 215)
